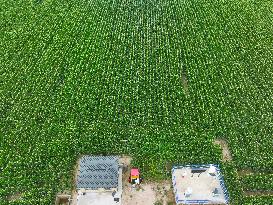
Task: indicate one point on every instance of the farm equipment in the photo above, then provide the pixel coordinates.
(135, 178)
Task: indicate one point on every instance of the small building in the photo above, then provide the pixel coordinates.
(199, 184)
(99, 181)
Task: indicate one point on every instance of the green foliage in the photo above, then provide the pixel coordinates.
(257, 182)
(232, 183)
(257, 200)
(78, 77)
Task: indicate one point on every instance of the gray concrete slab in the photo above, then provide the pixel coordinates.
(97, 198)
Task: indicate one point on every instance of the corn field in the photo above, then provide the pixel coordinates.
(157, 80)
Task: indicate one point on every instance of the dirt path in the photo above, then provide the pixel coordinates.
(258, 193)
(125, 160)
(245, 172)
(148, 194)
(184, 81)
(15, 197)
(75, 173)
(226, 156)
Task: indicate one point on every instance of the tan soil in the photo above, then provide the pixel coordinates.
(15, 197)
(258, 193)
(144, 195)
(164, 192)
(185, 83)
(62, 199)
(244, 172)
(75, 173)
(226, 156)
(148, 194)
(125, 160)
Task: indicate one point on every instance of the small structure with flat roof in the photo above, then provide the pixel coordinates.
(99, 181)
(199, 184)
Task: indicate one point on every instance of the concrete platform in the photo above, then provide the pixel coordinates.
(97, 198)
(201, 186)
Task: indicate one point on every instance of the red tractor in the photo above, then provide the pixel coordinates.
(135, 178)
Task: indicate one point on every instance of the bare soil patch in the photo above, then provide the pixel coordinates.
(76, 169)
(62, 199)
(258, 193)
(125, 160)
(144, 194)
(245, 172)
(249, 171)
(148, 193)
(226, 155)
(73, 199)
(164, 192)
(184, 81)
(15, 197)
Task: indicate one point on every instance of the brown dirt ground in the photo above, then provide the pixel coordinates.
(258, 193)
(75, 173)
(164, 192)
(226, 156)
(244, 172)
(63, 201)
(148, 193)
(125, 160)
(15, 196)
(185, 83)
(249, 171)
(73, 198)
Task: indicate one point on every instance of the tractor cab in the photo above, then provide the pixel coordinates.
(135, 178)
